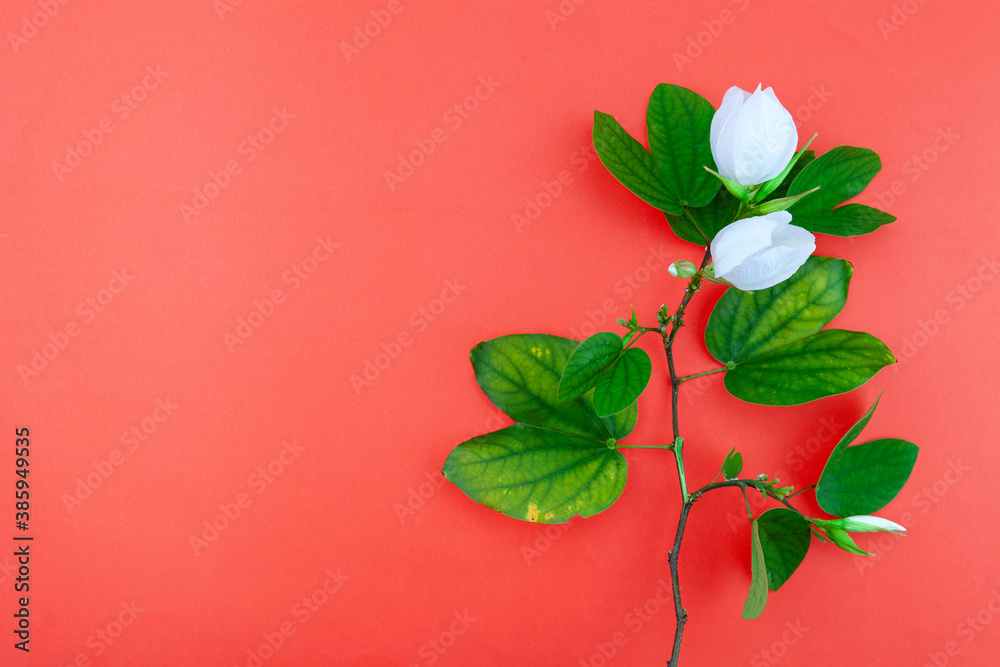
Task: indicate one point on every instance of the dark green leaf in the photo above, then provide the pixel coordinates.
(744, 324)
(733, 465)
(863, 479)
(538, 475)
(824, 364)
(520, 374)
(679, 122)
(620, 385)
(757, 597)
(784, 541)
(632, 165)
(841, 173)
(587, 363)
(847, 220)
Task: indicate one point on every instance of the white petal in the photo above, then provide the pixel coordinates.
(738, 241)
(791, 236)
(861, 524)
(765, 269)
(723, 126)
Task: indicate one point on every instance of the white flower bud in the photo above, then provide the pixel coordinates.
(870, 524)
(753, 137)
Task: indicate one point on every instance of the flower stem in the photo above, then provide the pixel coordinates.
(676, 322)
(742, 484)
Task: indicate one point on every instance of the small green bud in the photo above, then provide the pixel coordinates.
(683, 269)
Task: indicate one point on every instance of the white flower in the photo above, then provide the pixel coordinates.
(760, 252)
(753, 137)
(870, 524)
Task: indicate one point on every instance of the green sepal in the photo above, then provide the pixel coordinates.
(772, 185)
(735, 188)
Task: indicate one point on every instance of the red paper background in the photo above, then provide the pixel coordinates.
(913, 80)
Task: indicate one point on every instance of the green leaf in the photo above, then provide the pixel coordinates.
(535, 474)
(847, 220)
(620, 385)
(841, 173)
(718, 213)
(632, 165)
(862, 479)
(520, 374)
(830, 362)
(757, 597)
(587, 363)
(733, 465)
(559, 460)
(784, 541)
(744, 324)
(679, 123)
